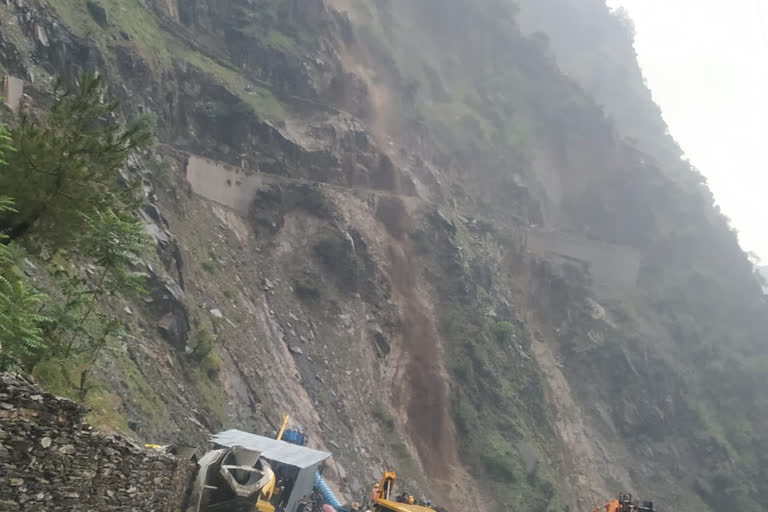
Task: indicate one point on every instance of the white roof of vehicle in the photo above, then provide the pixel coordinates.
(272, 449)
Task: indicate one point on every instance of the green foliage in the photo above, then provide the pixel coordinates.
(332, 249)
(130, 24)
(114, 241)
(335, 253)
(504, 332)
(21, 335)
(382, 415)
(209, 266)
(501, 467)
(67, 163)
(307, 286)
(203, 343)
(260, 98)
(6, 205)
(6, 142)
(66, 178)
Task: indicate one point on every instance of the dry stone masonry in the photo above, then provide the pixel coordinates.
(51, 460)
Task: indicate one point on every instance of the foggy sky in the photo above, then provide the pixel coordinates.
(706, 63)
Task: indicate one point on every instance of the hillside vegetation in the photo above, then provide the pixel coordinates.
(453, 238)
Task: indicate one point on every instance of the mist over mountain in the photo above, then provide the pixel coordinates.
(453, 239)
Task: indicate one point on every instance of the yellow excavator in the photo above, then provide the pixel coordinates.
(624, 503)
(386, 500)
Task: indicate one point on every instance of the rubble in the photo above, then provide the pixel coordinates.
(50, 460)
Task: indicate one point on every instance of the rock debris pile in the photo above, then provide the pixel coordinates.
(51, 460)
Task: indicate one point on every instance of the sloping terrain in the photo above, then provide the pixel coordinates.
(451, 238)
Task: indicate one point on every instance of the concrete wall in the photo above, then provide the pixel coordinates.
(13, 89)
(614, 268)
(51, 461)
(222, 183)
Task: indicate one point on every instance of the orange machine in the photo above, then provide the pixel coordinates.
(385, 502)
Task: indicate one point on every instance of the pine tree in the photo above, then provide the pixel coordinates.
(114, 242)
(21, 335)
(68, 162)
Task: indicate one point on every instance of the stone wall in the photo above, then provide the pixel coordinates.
(51, 460)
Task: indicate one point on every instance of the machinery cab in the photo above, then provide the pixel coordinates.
(391, 506)
(387, 501)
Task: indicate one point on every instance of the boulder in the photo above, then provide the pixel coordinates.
(170, 310)
(98, 13)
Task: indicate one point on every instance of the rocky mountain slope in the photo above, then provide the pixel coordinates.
(451, 238)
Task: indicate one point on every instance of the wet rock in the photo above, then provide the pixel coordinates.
(168, 304)
(154, 213)
(380, 344)
(440, 220)
(173, 330)
(29, 268)
(98, 13)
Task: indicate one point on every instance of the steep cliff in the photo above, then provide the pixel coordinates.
(451, 238)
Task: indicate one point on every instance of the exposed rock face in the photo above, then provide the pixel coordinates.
(441, 258)
(50, 460)
(98, 12)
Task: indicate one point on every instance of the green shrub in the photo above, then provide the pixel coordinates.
(504, 332)
(382, 415)
(203, 343)
(502, 467)
(332, 250)
(21, 335)
(307, 286)
(210, 365)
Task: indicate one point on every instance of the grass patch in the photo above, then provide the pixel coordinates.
(140, 393)
(213, 396)
(103, 413)
(130, 17)
(260, 98)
